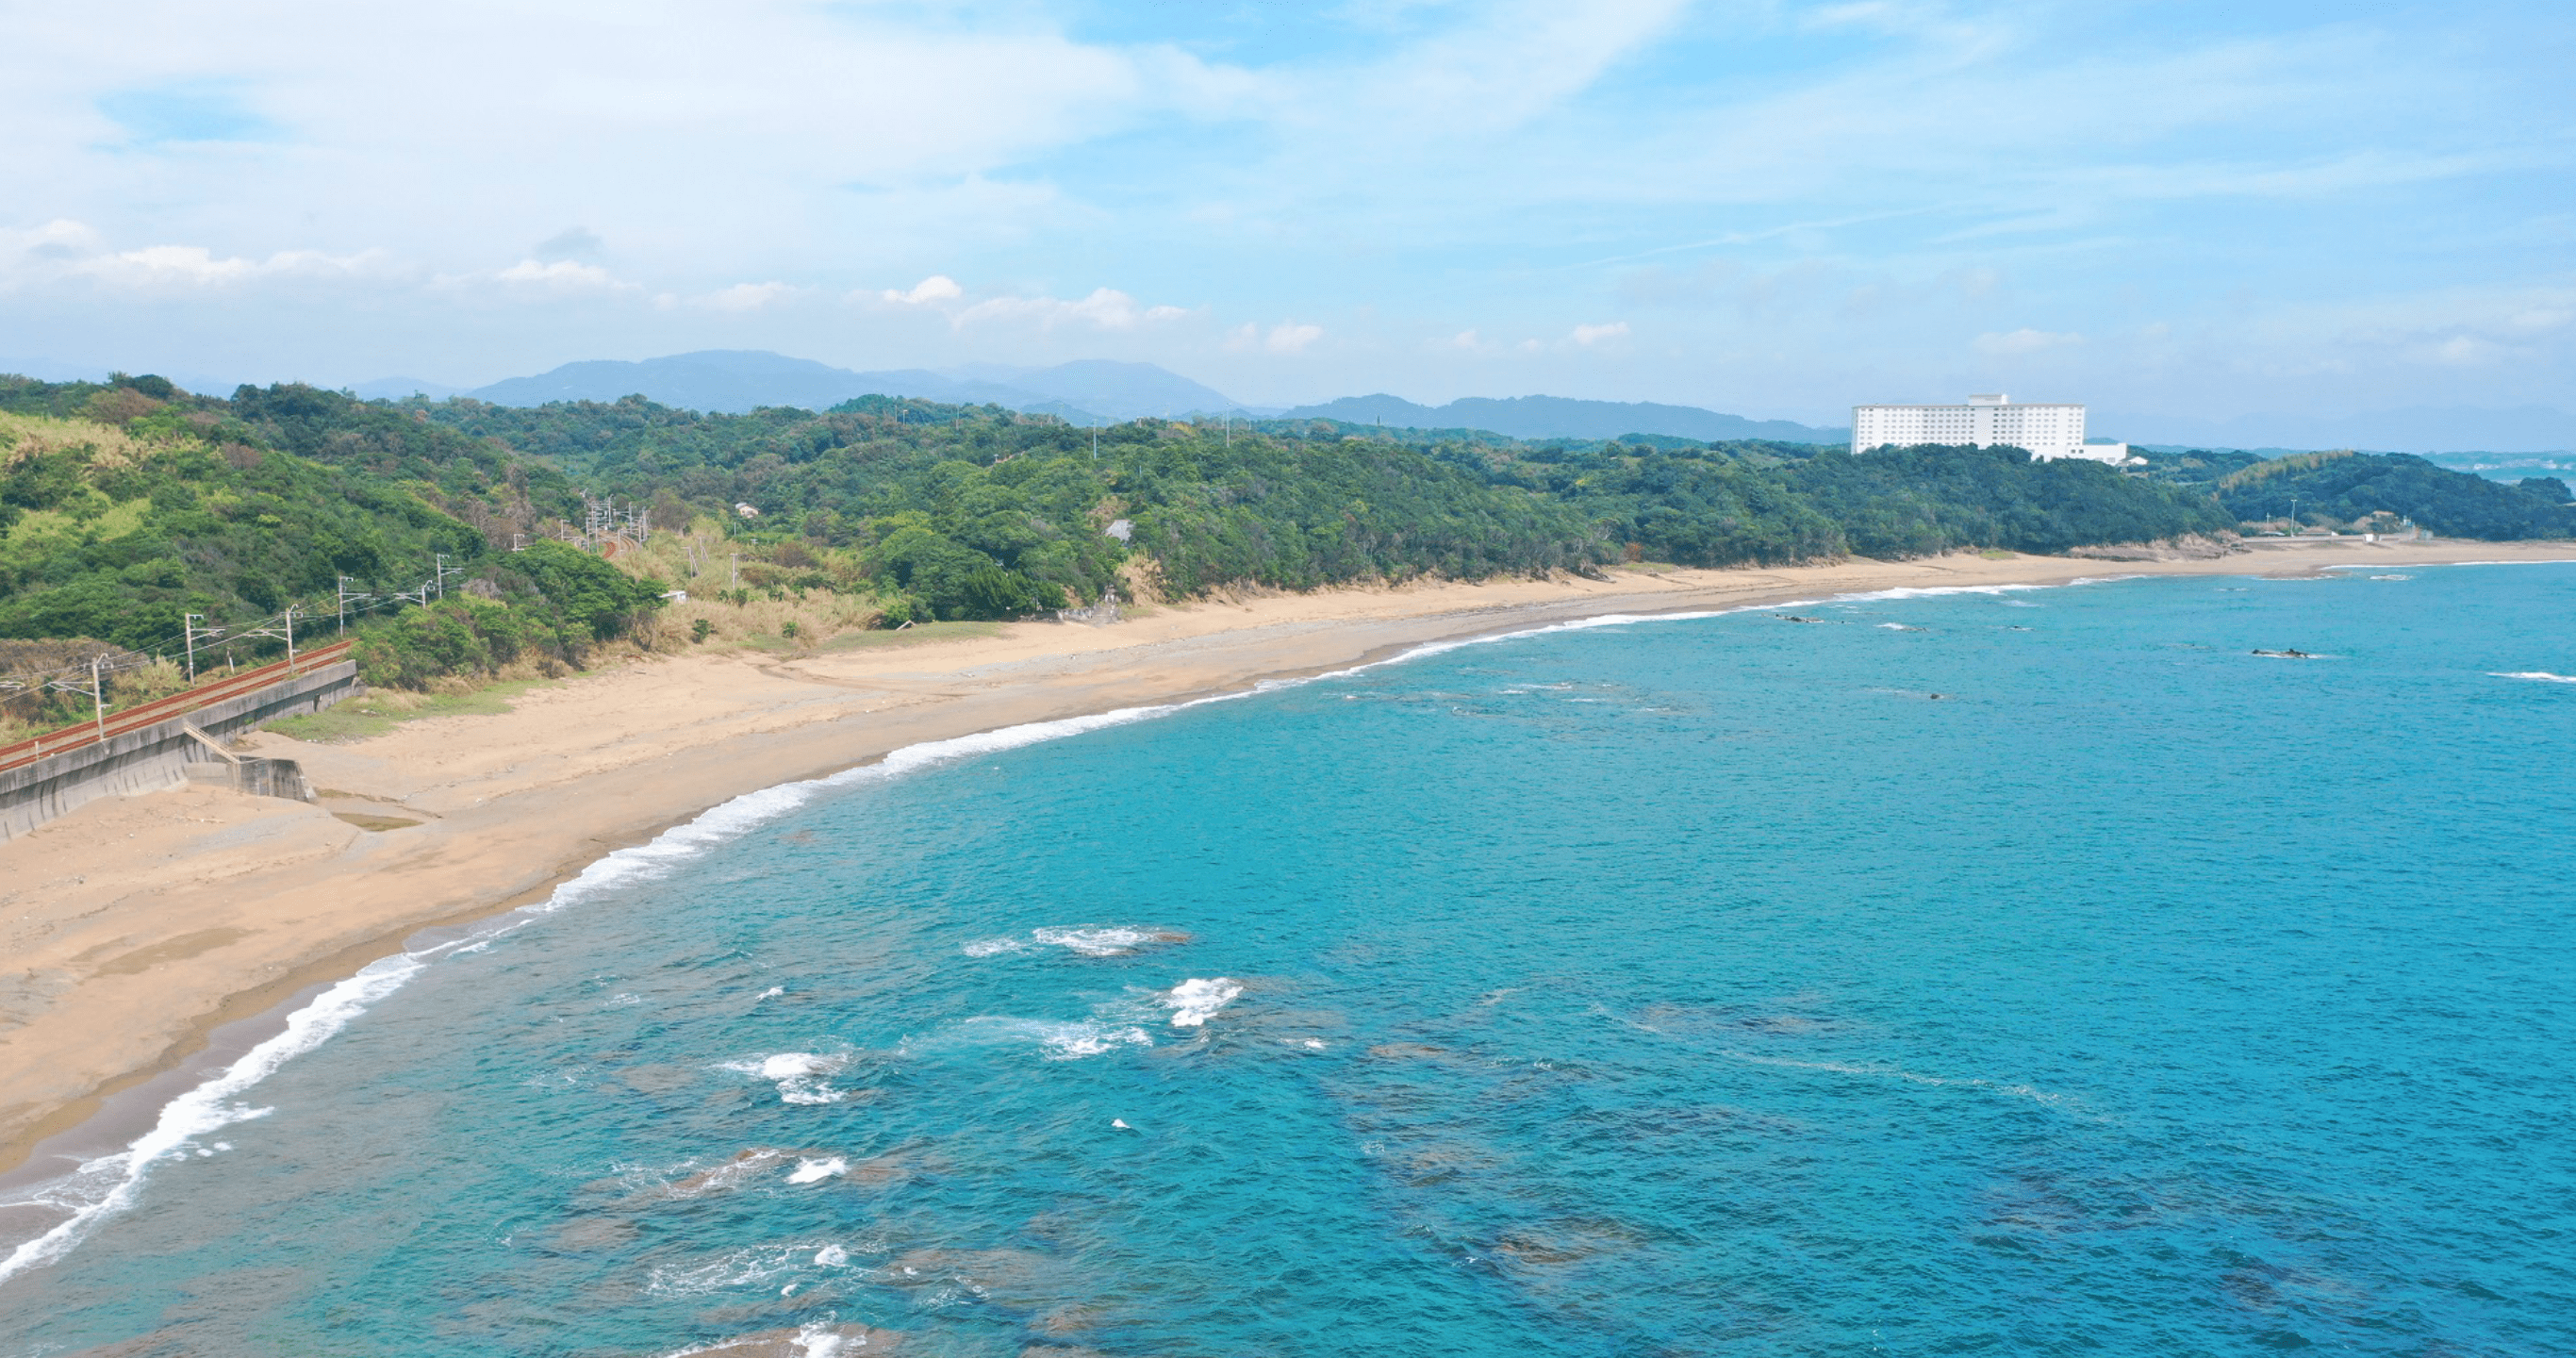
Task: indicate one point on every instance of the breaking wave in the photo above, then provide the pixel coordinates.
(1193, 1002)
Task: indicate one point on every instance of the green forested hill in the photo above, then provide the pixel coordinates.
(1772, 503)
(2341, 488)
(125, 504)
(1301, 503)
(115, 524)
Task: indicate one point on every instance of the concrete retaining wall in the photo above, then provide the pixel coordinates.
(254, 775)
(157, 756)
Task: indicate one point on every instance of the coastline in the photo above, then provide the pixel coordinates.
(212, 909)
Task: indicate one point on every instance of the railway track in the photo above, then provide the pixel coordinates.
(85, 733)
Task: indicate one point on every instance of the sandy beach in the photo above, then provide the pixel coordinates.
(136, 926)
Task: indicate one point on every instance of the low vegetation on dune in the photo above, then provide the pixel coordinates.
(2348, 490)
(461, 541)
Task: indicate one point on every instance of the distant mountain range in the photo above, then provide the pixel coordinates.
(734, 380)
(737, 380)
(1546, 417)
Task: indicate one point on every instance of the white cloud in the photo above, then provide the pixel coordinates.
(1466, 339)
(1501, 67)
(58, 239)
(64, 249)
(2466, 351)
(769, 110)
(1287, 337)
(938, 287)
(1291, 338)
(2023, 341)
(1104, 309)
(745, 296)
(561, 275)
(1589, 335)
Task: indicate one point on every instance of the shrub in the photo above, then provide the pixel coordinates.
(463, 635)
(584, 593)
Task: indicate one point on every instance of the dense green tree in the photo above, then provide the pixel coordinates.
(236, 506)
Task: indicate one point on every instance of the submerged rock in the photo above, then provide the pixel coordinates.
(594, 1233)
(807, 1341)
(1564, 1242)
(1018, 1279)
(745, 1167)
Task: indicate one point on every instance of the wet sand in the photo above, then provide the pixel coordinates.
(136, 927)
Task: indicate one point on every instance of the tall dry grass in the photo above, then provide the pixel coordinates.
(702, 562)
(26, 436)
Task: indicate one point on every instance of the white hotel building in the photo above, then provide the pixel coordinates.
(2046, 431)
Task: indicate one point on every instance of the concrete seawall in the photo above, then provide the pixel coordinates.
(157, 756)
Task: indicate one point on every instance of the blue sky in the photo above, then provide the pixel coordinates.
(1771, 208)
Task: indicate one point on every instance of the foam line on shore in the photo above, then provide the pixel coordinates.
(102, 1187)
(203, 1109)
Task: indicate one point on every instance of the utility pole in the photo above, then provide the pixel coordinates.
(96, 689)
(286, 630)
(341, 627)
(188, 623)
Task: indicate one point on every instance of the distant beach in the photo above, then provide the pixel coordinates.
(138, 926)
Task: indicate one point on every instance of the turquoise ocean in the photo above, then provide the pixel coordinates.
(1649, 987)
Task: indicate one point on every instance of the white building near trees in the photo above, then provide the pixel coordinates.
(2044, 430)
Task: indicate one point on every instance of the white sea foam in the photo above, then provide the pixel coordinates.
(102, 1187)
(1928, 592)
(788, 1065)
(2538, 562)
(831, 1256)
(1073, 1041)
(115, 1180)
(815, 1171)
(1099, 942)
(2543, 676)
(816, 1339)
(1055, 1039)
(1194, 1001)
(1088, 940)
(754, 1267)
(800, 1076)
(105, 1186)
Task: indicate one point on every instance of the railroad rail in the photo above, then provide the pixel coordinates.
(134, 718)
